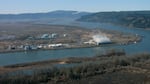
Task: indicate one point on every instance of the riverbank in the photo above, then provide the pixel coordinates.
(134, 67)
(75, 47)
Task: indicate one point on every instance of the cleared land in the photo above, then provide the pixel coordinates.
(17, 34)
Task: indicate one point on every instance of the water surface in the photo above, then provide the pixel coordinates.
(23, 57)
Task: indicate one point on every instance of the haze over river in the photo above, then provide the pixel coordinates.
(24, 57)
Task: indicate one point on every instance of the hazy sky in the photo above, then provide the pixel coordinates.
(30, 6)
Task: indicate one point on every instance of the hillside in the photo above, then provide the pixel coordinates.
(39, 16)
(112, 68)
(139, 19)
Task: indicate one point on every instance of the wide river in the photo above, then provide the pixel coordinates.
(24, 57)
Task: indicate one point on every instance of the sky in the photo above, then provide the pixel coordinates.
(35, 6)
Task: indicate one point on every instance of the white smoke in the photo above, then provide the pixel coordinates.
(101, 39)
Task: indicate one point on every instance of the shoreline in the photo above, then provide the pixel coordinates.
(68, 60)
(77, 47)
(14, 51)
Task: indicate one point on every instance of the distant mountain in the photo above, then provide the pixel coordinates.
(37, 16)
(139, 19)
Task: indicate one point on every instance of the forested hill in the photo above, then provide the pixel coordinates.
(139, 19)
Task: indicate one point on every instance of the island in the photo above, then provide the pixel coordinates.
(28, 37)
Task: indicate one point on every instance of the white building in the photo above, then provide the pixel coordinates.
(44, 36)
(55, 45)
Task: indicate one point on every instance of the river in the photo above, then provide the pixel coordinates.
(32, 56)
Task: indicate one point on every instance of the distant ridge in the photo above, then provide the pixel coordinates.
(53, 14)
(139, 19)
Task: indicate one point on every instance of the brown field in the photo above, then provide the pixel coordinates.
(18, 33)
